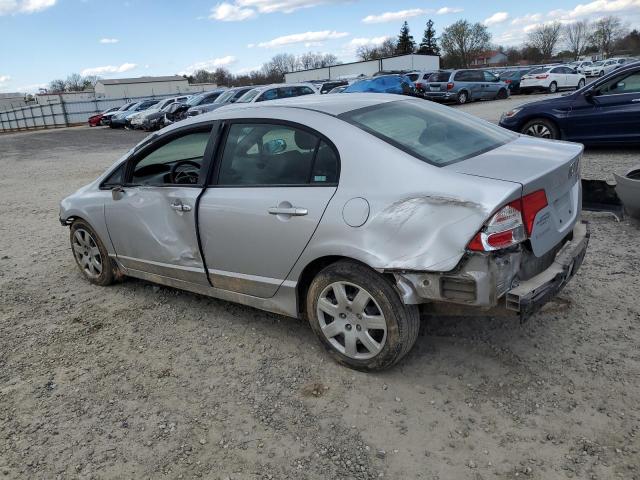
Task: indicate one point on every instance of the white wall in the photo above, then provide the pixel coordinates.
(147, 89)
(352, 70)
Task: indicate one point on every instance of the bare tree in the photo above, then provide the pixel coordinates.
(56, 86)
(576, 36)
(462, 41)
(606, 32)
(74, 83)
(545, 38)
(370, 52)
(222, 76)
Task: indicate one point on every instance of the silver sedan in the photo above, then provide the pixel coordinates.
(351, 211)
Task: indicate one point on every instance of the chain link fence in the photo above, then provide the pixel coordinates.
(61, 113)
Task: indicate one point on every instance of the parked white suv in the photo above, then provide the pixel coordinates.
(602, 67)
(580, 65)
(551, 79)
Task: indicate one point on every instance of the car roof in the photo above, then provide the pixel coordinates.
(327, 104)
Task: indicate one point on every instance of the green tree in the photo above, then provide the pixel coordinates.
(462, 41)
(429, 43)
(405, 44)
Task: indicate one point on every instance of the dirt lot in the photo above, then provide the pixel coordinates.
(140, 381)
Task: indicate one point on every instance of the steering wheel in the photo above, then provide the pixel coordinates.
(188, 175)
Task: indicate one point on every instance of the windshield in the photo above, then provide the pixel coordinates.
(225, 97)
(509, 74)
(250, 95)
(435, 134)
(196, 99)
(598, 64)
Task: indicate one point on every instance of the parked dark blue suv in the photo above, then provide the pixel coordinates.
(606, 111)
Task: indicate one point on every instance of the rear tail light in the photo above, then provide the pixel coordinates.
(419, 85)
(449, 85)
(507, 81)
(510, 225)
(541, 77)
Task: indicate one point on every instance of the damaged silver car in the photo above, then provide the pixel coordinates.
(352, 211)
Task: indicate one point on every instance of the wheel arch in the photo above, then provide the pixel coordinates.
(314, 267)
(546, 117)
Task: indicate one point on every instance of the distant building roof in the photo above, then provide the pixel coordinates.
(11, 95)
(122, 81)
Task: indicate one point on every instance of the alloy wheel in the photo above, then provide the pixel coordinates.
(553, 87)
(538, 130)
(351, 320)
(87, 253)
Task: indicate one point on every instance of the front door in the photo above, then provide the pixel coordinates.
(611, 114)
(271, 188)
(151, 219)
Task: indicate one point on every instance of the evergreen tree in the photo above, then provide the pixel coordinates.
(429, 43)
(405, 41)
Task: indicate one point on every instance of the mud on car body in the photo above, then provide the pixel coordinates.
(348, 210)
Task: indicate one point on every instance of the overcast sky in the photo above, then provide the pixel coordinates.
(47, 39)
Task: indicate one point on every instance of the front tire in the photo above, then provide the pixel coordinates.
(90, 254)
(541, 128)
(553, 87)
(601, 74)
(580, 84)
(359, 317)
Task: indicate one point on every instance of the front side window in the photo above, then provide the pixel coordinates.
(489, 77)
(177, 162)
(433, 133)
(628, 84)
(268, 95)
(267, 154)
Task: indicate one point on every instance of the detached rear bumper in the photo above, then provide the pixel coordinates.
(530, 295)
(484, 282)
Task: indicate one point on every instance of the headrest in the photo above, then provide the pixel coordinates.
(305, 141)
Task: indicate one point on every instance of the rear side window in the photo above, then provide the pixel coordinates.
(433, 133)
(440, 77)
(271, 155)
(413, 76)
(463, 76)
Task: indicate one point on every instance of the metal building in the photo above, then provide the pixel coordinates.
(368, 68)
(147, 86)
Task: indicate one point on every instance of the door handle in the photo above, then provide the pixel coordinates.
(178, 206)
(292, 211)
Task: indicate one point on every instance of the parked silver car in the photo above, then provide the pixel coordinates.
(348, 210)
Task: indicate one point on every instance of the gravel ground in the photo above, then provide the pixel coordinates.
(141, 381)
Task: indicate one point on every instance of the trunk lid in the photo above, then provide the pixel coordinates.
(537, 165)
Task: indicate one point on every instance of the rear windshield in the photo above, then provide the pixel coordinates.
(413, 76)
(538, 70)
(440, 77)
(436, 134)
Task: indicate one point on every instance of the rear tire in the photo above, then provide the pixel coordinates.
(462, 98)
(90, 255)
(359, 317)
(553, 87)
(541, 128)
(580, 84)
(502, 94)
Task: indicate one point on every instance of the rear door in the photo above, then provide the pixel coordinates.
(559, 76)
(272, 183)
